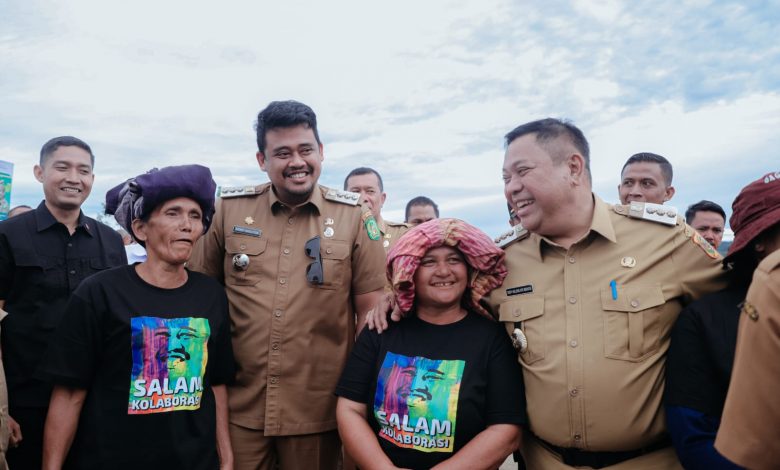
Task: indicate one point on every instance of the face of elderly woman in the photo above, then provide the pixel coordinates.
(441, 278)
(172, 230)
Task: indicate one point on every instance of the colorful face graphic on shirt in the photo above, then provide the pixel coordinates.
(416, 402)
(169, 360)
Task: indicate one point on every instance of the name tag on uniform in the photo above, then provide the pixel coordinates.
(526, 289)
(252, 232)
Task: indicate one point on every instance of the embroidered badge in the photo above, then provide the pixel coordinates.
(705, 246)
(372, 228)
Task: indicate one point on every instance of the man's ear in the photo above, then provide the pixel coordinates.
(669, 193)
(38, 172)
(576, 164)
(261, 160)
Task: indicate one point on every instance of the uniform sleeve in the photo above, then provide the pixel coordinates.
(6, 267)
(208, 256)
(699, 267)
(691, 379)
(360, 370)
(222, 364)
(751, 416)
(693, 437)
(368, 261)
(76, 344)
(505, 391)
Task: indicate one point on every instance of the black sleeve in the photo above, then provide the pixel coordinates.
(75, 347)
(690, 374)
(360, 371)
(505, 391)
(6, 267)
(222, 366)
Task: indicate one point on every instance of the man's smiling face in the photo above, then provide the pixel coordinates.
(67, 177)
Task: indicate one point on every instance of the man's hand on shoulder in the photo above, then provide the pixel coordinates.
(377, 316)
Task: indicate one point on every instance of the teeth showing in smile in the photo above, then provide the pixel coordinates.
(442, 284)
(298, 175)
(71, 190)
(525, 203)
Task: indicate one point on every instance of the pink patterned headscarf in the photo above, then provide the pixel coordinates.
(484, 258)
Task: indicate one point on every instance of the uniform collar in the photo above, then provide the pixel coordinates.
(316, 199)
(382, 226)
(44, 220)
(601, 224)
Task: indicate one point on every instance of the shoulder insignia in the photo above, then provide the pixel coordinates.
(237, 191)
(517, 233)
(397, 224)
(344, 197)
(704, 245)
(658, 213)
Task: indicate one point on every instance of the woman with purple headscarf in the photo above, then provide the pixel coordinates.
(142, 358)
(442, 388)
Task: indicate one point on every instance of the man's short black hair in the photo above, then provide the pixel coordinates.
(364, 170)
(647, 157)
(64, 141)
(548, 131)
(284, 114)
(421, 201)
(703, 206)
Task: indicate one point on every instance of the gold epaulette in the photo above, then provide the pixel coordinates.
(344, 197)
(517, 233)
(658, 213)
(237, 191)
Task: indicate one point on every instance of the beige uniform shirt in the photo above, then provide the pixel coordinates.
(290, 337)
(391, 232)
(4, 431)
(751, 415)
(594, 365)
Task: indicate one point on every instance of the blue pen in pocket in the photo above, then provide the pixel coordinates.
(613, 286)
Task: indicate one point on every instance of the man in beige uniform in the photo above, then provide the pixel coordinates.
(751, 415)
(592, 293)
(298, 261)
(368, 183)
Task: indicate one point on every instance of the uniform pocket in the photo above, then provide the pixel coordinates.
(254, 249)
(335, 264)
(632, 321)
(529, 313)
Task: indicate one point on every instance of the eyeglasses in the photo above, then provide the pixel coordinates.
(314, 270)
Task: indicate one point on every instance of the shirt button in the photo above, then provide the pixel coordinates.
(286, 251)
(573, 343)
(572, 260)
(282, 280)
(574, 392)
(275, 346)
(70, 245)
(242, 247)
(572, 300)
(274, 379)
(291, 220)
(328, 251)
(277, 313)
(577, 437)
(72, 271)
(635, 303)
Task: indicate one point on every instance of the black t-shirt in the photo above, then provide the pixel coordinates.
(148, 358)
(41, 264)
(430, 389)
(701, 354)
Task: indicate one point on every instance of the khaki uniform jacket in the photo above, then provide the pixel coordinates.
(594, 364)
(290, 337)
(751, 415)
(391, 232)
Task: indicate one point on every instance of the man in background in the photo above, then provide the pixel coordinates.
(646, 177)
(421, 209)
(709, 219)
(368, 183)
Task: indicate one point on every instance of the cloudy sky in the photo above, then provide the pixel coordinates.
(423, 91)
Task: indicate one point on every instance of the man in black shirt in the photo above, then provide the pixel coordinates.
(44, 255)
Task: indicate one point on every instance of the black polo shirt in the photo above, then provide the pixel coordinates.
(41, 264)
(701, 354)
